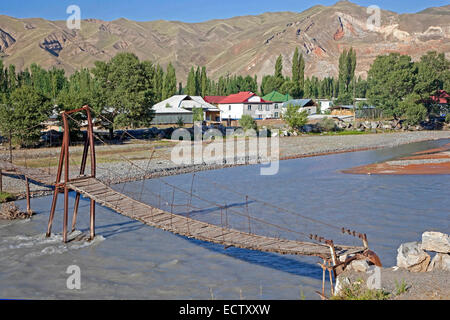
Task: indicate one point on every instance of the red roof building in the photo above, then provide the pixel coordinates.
(214, 99)
(236, 105)
(441, 97)
(241, 97)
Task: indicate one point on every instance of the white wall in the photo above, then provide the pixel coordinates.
(236, 112)
(325, 105)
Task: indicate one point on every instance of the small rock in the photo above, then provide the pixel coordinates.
(440, 262)
(359, 266)
(436, 242)
(412, 257)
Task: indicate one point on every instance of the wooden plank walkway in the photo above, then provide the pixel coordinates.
(184, 226)
(102, 194)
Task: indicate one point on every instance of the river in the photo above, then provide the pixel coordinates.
(129, 260)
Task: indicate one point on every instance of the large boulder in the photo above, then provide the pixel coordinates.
(412, 257)
(440, 262)
(436, 242)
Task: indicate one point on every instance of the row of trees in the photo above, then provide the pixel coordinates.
(124, 89)
(401, 87)
(199, 84)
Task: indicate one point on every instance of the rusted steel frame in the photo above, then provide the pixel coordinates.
(91, 142)
(57, 188)
(326, 266)
(370, 256)
(27, 182)
(92, 220)
(355, 234)
(93, 167)
(66, 176)
(75, 110)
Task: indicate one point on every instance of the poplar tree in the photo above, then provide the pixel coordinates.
(190, 87)
(204, 82)
(296, 67)
(170, 82)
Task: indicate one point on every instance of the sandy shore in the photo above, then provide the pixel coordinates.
(113, 166)
(429, 162)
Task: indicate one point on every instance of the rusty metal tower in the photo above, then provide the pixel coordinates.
(62, 186)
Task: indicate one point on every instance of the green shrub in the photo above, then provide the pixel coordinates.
(294, 118)
(447, 118)
(400, 288)
(412, 110)
(198, 114)
(5, 197)
(247, 122)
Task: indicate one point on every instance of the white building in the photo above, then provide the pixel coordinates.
(235, 106)
(181, 106)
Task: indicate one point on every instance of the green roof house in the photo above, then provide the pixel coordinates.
(275, 96)
(277, 100)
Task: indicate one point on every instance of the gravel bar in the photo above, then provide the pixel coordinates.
(290, 147)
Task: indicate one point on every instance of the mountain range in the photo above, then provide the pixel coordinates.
(245, 45)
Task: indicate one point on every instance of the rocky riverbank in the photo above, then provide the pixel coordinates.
(422, 273)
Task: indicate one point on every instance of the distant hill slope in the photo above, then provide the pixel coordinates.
(242, 45)
(445, 10)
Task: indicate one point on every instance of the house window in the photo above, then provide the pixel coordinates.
(276, 106)
(267, 107)
(276, 114)
(229, 108)
(249, 107)
(260, 107)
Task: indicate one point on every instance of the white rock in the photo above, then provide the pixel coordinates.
(436, 242)
(440, 262)
(359, 266)
(341, 283)
(412, 257)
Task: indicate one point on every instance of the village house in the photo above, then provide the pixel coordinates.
(324, 104)
(343, 110)
(180, 107)
(307, 105)
(233, 107)
(278, 99)
(442, 99)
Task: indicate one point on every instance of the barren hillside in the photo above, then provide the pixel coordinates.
(242, 45)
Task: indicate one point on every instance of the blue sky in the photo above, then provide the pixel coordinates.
(185, 10)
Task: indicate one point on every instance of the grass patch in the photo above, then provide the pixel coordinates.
(400, 288)
(359, 291)
(6, 197)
